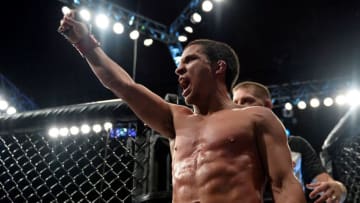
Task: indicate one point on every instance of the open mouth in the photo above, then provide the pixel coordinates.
(185, 85)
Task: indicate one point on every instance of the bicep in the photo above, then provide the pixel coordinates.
(273, 147)
(277, 159)
(151, 109)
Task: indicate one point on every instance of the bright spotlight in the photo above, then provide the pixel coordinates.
(85, 128)
(107, 126)
(353, 97)
(63, 131)
(301, 105)
(207, 6)
(182, 38)
(188, 29)
(3, 104)
(53, 132)
(134, 35)
(65, 10)
(97, 128)
(288, 106)
(195, 18)
(328, 101)
(11, 110)
(85, 14)
(148, 42)
(340, 100)
(74, 130)
(102, 21)
(118, 28)
(314, 102)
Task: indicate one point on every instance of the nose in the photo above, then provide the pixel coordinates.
(180, 70)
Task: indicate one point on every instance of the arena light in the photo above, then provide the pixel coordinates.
(64, 131)
(134, 35)
(207, 6)
(11, 110)
(301, 105)
(102, 21)
(189, 29)
(195, 18)
(328, 101)
(53, 132)
(74, 130)
(314, 102)
(97, 128)
(353, 97)
(182, 38)
(118, 28)
(108, 126)
(148, 42)
(85, 14)
(340, 100)
(3, 104)
(85, 129)
(65, 10)
(288, 106)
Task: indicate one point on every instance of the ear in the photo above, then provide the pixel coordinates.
(220, 67)
(268, 104)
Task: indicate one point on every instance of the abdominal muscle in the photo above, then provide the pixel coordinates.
(217, 177)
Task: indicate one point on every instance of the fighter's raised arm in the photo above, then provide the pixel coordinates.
(115, 78)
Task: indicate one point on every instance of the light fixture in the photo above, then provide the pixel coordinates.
(340, 99)
(118, 28)
(53, 132)
(102, 21)
(288, 106)
(85, 129)
(328, 101)
(3, 104)
(182, 38)
(195, 18)
(85, 14)
(188, 29)
(65, 10)
(134, 35)
(74, 130)
(148, 42)
(11, 110)
(314, 102)
(207, 6)
(96, 128)
(301, 105)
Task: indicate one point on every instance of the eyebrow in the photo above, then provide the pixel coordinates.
(187, 57)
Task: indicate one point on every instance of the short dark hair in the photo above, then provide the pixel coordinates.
(260, 90)
(216, 51)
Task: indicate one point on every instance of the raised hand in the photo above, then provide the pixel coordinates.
(72, 29)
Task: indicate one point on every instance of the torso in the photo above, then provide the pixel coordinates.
(215, 158)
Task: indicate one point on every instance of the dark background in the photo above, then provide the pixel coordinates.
(278, 42)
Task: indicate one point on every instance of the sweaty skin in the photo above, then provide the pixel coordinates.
(221, 153)
(216, 161)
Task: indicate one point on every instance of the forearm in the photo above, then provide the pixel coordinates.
(110, 74)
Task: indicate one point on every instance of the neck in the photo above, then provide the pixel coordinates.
(215, 101)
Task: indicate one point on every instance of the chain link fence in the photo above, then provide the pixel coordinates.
(94, 167)
(341, 153)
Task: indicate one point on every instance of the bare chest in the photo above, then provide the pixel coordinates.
(223, 133)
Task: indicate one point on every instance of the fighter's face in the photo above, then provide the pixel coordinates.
(194, 73)
(246, 97)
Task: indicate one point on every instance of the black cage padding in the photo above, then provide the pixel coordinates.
(112, 110)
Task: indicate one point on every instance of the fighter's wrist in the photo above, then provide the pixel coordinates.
(86, 44)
